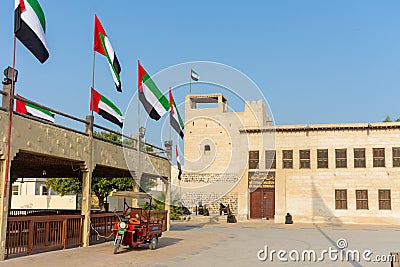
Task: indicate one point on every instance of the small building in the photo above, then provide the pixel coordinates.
(342, 173)
(32, 193)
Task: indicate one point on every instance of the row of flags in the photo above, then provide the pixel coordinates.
(30, 29)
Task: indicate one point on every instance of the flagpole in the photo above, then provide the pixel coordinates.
(170, 126)
(91, 131)
(138, 176)
(180, 196)
(11, 107)
(93, 68)
(190, 80)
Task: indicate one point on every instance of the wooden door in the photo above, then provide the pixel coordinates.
(262, 203)
(255, 204)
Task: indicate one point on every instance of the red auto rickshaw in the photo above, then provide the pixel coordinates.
(138, 226)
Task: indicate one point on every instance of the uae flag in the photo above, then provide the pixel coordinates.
(175, 119)
(105, 108)
(30, 27)
(194, 75)
(154, 102)
(103, 46)
(178, 162)
(32, 110)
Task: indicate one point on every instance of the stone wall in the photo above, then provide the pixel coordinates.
(213, 200)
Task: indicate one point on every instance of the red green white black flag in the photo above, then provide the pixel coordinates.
(103, 46)
(178, 163)
(175, 118)
(105, 108)
(194, 75)
(154, 102)
(33, 110)
(30, 27)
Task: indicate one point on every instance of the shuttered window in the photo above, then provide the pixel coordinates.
(362, 199)
(322, 158)
(305, 159)
(396, 156)
(341, 158)
(384, 199)
(287, 159)
(341, 199)
(254, 159)
(359, 157)
(270, 159)
(379, 157)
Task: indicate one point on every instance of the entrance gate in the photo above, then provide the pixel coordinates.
(262, 199)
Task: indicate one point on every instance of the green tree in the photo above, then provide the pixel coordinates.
(159, 204)
(387, 119)
(102, 187)
(109, 136)
(65, 186)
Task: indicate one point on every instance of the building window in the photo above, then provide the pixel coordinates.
(322, 158)
(379, 157)
(384, 199)
(253, 159)
(341, 158)
(287, 159)
(305, 159)
(44, 190)
(270, 159)
(359, 157)
(341, 199)
(15, 190)
(396, 156)
(362, 199)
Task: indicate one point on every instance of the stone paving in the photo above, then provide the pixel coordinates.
(195, 244)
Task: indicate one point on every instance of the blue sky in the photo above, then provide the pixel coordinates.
(315, 61)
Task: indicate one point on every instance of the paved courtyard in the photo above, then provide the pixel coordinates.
(196, 244)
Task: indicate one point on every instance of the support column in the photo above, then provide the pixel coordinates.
(86, 205)
(5, 102)
(87, 171)
(135, 203)
(168, 202)
(168, 149)
(4, 203)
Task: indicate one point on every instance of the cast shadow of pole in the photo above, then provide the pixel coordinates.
(320, 208)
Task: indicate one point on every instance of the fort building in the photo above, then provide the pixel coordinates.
(339, 173)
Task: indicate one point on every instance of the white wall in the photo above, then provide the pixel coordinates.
(43, 202)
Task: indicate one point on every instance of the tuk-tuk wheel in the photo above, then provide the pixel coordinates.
(117, 245)
(153, 243)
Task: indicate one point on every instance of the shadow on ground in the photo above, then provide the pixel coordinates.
(162, 242)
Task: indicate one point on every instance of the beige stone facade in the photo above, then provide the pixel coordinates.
(327, 181)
